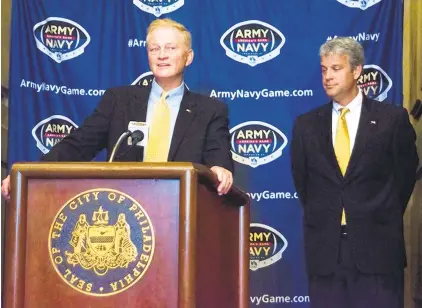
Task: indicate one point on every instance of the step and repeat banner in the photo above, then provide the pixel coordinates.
(260, 57)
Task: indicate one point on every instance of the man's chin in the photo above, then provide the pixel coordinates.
(330, 93)
(164, 76)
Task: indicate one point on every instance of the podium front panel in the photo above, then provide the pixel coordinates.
(102, 243)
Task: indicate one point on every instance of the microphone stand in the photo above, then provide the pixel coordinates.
(137, 136)
(119, 141)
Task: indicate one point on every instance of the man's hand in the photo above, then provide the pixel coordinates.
(225, 178)
(5, 188)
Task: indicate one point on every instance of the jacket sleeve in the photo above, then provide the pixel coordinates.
(298, 162)
(91, 137)
(217, 142)
(405, 157)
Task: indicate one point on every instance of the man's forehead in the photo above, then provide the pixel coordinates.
(335, 58)
(165, 33)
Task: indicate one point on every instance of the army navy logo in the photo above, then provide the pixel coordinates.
(101, 242)
(256, 143)
(159, 7)
(266, 246)
(374, 82)
(252, 42)
(61, 39)
(362, 4)
(51, 131)
(144, 80)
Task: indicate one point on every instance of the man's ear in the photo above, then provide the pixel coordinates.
(357, 71)
(189, 57)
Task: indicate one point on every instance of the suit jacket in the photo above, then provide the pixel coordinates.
(201, 133)
(374, 190)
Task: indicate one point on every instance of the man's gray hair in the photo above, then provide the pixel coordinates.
(344, 46)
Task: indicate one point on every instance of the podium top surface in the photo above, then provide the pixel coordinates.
(128, 170)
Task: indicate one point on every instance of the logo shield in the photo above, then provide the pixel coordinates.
(252, 42)
(61, 39)
(256, 143)
(101, 239)
(51, 131)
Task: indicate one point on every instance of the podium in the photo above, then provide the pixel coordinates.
(124, 235)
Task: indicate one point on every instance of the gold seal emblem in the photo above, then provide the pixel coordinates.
(101, 242)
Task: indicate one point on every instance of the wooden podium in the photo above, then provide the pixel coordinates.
(124, 235)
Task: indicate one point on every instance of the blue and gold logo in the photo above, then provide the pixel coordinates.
(252, 42)
(61, 39)
(101, 242)
(375, 82)
(256, 143)
(266, 247)
(51, 131)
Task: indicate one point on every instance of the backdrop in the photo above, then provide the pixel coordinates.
(260, 57)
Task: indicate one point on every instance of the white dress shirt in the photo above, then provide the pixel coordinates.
(352, 118)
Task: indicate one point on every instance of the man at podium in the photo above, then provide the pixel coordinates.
(178, 125)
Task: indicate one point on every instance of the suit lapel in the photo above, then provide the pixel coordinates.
(326, 121)
(187, 112)
(365, 130)
(139, 104)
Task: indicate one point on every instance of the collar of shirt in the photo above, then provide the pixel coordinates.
(353, 106)
(173, 97)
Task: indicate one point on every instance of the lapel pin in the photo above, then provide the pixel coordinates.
(373, 122)
(188, 110)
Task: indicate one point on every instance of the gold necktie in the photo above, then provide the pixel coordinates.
(342, 148)
(159, 133)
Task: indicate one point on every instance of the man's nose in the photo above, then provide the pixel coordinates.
(162, 54)
(328, 74)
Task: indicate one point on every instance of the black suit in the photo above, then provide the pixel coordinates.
(374, 190)
(201, 133)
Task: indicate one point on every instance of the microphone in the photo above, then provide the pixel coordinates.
(136, 135)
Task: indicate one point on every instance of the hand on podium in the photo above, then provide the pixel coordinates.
(225, 179)
(224, 176)
(5, 188)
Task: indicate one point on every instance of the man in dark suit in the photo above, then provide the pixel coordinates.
(354, 162)
(183, 126)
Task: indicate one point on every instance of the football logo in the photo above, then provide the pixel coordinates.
(51, 131)
(374, 82)
(61, 39)
(256, 143)
(266, 246)
(252, 42)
